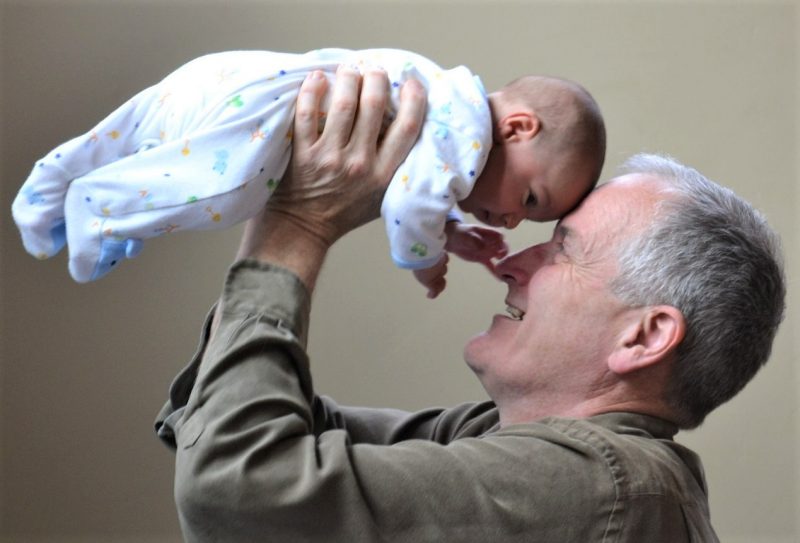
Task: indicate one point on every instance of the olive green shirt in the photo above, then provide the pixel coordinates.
(260, 457)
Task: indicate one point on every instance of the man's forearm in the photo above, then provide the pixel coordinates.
(277, 239)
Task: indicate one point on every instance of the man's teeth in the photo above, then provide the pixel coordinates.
(515, 312)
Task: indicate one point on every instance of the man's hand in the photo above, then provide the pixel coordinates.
(337, 178)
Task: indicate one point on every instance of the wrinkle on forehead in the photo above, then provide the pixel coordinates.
(639, 198)
(598, 229)
(631, 201)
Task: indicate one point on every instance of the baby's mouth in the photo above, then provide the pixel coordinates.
(515, 312)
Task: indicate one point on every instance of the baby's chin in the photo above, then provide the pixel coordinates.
(466, 206)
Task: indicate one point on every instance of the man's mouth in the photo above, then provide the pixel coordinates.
(515, 312)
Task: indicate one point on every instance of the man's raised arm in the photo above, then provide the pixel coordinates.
(337, 178)
(241, 415)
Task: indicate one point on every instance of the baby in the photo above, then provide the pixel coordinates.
(206, 147)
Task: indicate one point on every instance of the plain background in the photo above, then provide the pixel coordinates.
(85, 368)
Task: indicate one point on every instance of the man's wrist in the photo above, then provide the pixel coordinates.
(284, 240)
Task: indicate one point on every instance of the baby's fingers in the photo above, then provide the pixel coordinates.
(436, 287)
(492, 243)
(499, 247)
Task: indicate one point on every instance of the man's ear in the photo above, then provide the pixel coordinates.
(648, 340)
(518, 126)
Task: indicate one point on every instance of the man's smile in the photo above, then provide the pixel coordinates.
(515, 312)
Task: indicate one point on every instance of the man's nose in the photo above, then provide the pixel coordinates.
(520, 266)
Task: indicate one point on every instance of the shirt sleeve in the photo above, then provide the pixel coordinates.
(251, 457)
(385, 426)
(260, 457)
(250, 464)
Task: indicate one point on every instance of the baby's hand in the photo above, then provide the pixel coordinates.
(433, 277)
(475, 243)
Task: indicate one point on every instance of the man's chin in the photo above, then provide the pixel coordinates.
(476, 352)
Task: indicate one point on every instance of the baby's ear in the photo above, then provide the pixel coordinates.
(518, 126)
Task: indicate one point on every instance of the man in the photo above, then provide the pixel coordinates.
(655, 301)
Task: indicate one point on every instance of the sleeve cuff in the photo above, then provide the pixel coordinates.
(255, 287)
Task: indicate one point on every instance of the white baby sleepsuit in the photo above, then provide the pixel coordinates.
(205, 148)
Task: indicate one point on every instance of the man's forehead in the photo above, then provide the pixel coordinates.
(613, 206)
(640, 190)
(633, 181)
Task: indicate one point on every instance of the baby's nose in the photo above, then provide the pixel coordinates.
(511, 220)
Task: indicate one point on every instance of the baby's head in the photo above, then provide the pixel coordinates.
(548, 151)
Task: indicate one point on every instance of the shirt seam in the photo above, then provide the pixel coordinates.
(611, 465)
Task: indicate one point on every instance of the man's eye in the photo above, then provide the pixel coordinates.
(559, 254)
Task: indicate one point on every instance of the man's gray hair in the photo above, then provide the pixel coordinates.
(711, 255)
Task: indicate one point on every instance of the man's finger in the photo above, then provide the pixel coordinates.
(371, 109)
(404, 130)
(342, 111)
(306, 116)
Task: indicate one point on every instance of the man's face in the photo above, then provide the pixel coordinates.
(563, 320)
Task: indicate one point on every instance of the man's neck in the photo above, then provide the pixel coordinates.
(532, 411)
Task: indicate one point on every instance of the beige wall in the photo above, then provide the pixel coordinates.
(85, 368)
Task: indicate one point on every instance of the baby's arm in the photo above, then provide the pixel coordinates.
(433, 278)
(475, 243)
(472, 243)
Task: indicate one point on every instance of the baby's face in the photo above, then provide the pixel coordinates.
(515, 186)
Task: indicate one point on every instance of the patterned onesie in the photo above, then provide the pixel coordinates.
(205, 148)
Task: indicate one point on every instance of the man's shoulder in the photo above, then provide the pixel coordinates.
(467, 420)
(638, 451)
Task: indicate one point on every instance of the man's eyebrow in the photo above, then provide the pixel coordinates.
(567, 237)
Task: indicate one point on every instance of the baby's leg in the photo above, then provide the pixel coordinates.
(92, 254)
(214, 176)
(39, 207)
